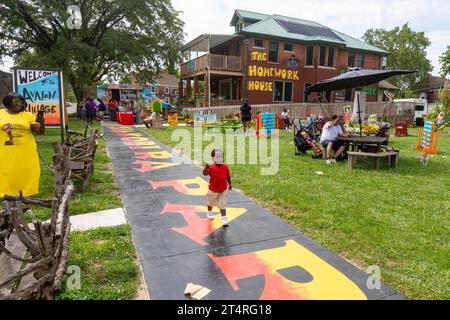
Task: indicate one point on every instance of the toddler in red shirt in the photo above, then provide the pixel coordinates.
(220, 183)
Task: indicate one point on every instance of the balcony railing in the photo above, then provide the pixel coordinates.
(215, 61)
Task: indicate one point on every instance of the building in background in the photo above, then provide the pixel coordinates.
(165, 87)
(430, 90)
(6, 84)
(387, 91)
(273, 59)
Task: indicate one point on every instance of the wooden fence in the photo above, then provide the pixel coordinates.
(302, 110)
(5, 88)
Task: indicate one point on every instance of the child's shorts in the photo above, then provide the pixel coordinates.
(218, 200)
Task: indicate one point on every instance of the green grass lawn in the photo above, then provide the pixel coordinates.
(103, 193)
(106, 256)
(398, 219)
(107, 261)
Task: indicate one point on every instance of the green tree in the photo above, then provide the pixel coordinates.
(407, 50)
(445, 63)
(113, 38)
(443, 105)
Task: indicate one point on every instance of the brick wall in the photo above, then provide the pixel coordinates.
(306, 74)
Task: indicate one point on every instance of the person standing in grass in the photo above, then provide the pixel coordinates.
(19, 161)
(286, 119)
(138, 108)
(92, 107)
(220, 183)
(246, 116)
(112, 110)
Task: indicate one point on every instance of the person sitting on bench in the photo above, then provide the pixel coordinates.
(329, 140)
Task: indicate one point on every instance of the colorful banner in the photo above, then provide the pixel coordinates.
(43, 90)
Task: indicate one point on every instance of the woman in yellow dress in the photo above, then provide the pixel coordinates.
(19, 161)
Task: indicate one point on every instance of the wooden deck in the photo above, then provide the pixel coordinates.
(219, 64)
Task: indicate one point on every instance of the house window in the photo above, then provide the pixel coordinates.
(283, 91)
(309, 55)
(351, 59)
(330, 57)
(288, 47)
(166, 90)
(273, 51)
(348, 94)
(356, 60)
(307, 96)
(259, 43)
(323, 55)
(359, 61)
(288, 91)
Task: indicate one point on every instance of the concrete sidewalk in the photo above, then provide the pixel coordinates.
(258, 257)
(107, 218)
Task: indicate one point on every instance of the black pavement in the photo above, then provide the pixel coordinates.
(258, 257)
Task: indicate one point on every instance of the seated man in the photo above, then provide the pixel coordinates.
(329, 140)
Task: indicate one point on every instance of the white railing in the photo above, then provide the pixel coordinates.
(302, 110)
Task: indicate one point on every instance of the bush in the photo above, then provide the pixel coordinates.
(443, 107)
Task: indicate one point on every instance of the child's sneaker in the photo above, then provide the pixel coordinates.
(224, 221)
(329, 162)
(210, 216)
(333, 161)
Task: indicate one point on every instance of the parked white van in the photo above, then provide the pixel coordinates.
(420, 110)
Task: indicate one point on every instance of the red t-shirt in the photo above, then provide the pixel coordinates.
(218, 178)
(112, 106)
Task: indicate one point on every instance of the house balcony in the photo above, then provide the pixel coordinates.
(218, 64)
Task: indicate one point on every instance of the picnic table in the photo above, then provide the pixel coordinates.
(357, 142)
(225, 124)
(376, 153)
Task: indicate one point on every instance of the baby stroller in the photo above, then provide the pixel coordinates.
(307, 139)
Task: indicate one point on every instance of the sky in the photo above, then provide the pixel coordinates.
(352, 17)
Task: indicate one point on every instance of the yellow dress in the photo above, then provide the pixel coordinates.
(19, 162)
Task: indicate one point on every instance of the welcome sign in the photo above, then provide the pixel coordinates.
(43, 90)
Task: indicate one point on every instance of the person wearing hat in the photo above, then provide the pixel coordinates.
(19, 161)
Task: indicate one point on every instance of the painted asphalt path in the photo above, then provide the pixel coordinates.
(258, 257)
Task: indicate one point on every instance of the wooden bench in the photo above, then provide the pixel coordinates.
(78, 137)
(33, 256)
(391, 156)
(82, 158)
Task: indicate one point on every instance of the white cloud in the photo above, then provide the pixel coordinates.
(352, 17)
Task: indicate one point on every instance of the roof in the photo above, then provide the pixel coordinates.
(387, 85)
(201, 42)
(295, 29)
(436, 82)
(247, 15)
(167, 80)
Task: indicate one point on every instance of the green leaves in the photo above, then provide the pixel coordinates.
(407, 50)
(115, 38)
(445, 63)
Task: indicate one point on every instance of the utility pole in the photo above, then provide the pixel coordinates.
(247, 61)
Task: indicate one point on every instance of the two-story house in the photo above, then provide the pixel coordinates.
(273, 59)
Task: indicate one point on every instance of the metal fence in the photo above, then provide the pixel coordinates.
(302, 110)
